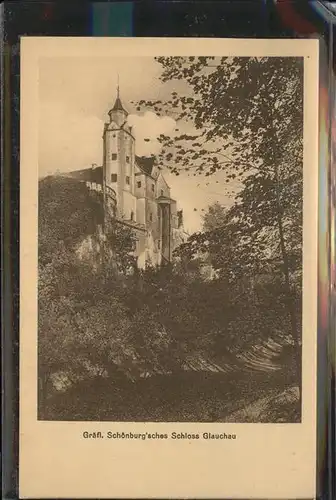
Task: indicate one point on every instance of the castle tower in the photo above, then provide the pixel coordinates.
(119, 160)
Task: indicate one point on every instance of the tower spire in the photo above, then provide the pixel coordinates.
(118, 105)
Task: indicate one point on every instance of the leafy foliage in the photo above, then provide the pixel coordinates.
(115, 322)
(247, 114)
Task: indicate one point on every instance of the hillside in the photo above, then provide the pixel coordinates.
(67, 213)
(160, 344)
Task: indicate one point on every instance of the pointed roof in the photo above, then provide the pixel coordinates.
(118, 104)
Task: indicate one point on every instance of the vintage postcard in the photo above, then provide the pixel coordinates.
(168, 268)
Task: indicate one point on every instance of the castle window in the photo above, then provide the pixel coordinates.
(151, 217)
(153, 187)
(114, 177)
(161, 192)
(159, 244)
(132, 215)
(127, 179)
(139, 184)
(114, 156)
(127, 159)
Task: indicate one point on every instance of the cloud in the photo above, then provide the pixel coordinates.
(75, 95)
(72, 139)
(147, 128)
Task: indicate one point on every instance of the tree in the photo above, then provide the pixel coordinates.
(121, 241)
(83, 322)
(215, 217)
(67, 214)
(247, 119)
(246, 299)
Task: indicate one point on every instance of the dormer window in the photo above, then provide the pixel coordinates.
(161, 192)
(114, 156)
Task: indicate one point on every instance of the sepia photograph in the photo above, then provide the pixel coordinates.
(168, 267)
(170, 239)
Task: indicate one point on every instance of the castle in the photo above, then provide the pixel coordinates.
(135, 192)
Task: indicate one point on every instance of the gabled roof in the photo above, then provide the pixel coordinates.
(146, 163)
(161, 177)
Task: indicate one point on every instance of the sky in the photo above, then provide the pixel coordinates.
(75, 95)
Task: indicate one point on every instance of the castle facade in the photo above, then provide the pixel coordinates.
(135, 192)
